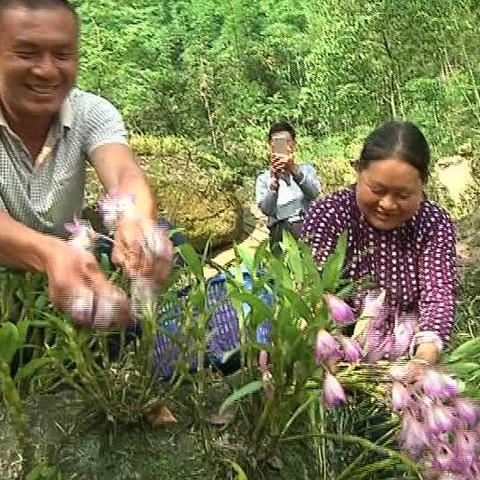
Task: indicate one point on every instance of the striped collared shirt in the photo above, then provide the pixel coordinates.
(46, 192)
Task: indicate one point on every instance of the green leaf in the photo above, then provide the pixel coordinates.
(192, 259)
(105, 263)
(332, 268)
(464, 368)
(197, 298)
(22, 328)
(244, 256)
(280, 273)
(248, 389)
(262, 310)
(293, 257)
(241, 475)
(466, 350)
(9, 341)
(298, 303)
(261, 252)
(58, 323)
(26, 371)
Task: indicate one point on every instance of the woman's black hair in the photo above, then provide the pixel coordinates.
(402, 140)
(281, 127)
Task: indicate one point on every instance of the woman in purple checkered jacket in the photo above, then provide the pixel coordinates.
(397, 237)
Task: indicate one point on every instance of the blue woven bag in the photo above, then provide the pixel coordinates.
(223, 334)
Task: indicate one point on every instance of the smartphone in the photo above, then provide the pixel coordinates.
(279, 144)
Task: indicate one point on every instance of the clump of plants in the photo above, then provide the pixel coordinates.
(298, 385)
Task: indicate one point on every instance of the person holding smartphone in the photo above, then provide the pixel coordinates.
(284, 191)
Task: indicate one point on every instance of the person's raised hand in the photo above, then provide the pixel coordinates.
(77, 286)
(143, 249)
(278, 163)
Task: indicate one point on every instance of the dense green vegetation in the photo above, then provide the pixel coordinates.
(219, 71)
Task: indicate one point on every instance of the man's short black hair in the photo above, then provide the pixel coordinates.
(38, 5)
(280, 127)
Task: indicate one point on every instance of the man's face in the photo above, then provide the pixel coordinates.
(38, 60)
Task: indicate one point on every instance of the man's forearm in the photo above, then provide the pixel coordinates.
(23, 248)
(119, 172)
(137, 185)
(307, 183)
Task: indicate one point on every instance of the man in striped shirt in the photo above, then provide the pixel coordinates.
(48, 131)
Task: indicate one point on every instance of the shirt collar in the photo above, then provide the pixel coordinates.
(65, 115)
(3, 121)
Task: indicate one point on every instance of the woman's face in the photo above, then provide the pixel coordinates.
(389, 193)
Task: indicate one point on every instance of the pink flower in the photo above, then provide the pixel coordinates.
(352, 352)
(466, 410)
(437, 385)
(263, 361)
(433, 384)
(82, 235)
(378, 346)
(450, 386)
(402, 336)
(114, 205)
(333, 393)
(444, 458)
(373, 304)
(413, 436)
(326, 347)
(440, 419)
(400, 396)
(465, 447)
(341, 313)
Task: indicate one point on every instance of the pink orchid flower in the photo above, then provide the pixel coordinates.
(340, 311)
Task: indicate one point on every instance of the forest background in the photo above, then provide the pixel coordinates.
(214, 74)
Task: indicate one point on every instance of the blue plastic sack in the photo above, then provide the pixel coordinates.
(222, 330)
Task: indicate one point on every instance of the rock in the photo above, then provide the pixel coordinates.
(161, 416)
(455, 174)
(187, 184)
(468, 245)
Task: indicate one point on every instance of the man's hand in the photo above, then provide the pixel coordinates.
(278, 164)
(142, 249)
(77, 286)
(284, 163)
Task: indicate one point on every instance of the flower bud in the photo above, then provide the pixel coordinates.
(352, 352)
(400, 396)
(341, 313)
(333, 393)
(263, 361)
(373, 304)
(466, 410)
(326, 347)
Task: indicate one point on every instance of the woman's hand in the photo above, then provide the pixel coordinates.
(426, 355)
